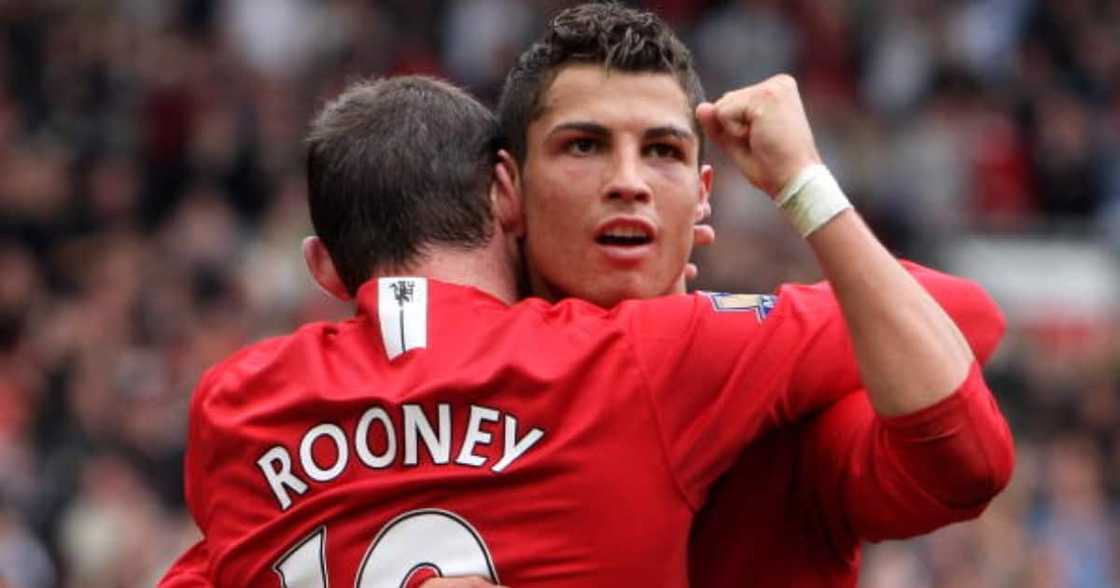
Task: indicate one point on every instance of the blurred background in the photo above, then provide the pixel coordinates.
(152, 204)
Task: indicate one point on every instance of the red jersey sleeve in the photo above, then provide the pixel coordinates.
(189, 571)
(721, 369)
(192, 568)
(874, 478)
(208, 446)
(971, 308)
(967, 304)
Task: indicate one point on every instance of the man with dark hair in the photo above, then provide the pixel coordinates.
(571, 64)
(252, 459)
(607, 35)
(587, 137)
(441, 168)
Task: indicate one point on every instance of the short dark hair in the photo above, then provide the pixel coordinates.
(608, 34)
(396, 165)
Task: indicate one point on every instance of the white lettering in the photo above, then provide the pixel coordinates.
(280, 477)
(416, 422)
(515, 448)
(307, 459)
(361, 439)
(475, 441)
(475, 435)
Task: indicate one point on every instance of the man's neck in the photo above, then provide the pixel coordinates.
(487, 269)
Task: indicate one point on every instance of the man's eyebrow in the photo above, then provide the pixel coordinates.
(583, 127)
(674, 131)
(596, 129)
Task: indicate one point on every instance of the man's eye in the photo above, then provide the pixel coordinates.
(665, 150)
(582, 146)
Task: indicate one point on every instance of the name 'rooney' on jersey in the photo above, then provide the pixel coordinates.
(381, 439)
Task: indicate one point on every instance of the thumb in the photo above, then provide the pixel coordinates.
(711, 123)
(733, 142)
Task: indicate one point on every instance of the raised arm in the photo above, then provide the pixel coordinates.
(910, 354)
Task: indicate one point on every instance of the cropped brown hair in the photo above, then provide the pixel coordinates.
(396, 165)
(607, 34)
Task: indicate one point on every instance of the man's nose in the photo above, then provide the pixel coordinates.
(626, 181)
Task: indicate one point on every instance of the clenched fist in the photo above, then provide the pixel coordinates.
(764, 130)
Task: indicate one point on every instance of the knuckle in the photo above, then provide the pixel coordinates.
(736, 96)
(785, 81)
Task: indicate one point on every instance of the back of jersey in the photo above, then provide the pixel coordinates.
(437, 432)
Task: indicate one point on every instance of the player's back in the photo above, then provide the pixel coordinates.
(439, 428)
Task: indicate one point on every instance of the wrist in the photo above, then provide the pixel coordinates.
(811, 198)
(789, 173)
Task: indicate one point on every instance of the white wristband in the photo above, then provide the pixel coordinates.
(811, 199)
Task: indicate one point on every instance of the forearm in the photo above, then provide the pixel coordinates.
(910, 354)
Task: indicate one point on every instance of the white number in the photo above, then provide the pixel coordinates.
(305, 565)
(427, 538)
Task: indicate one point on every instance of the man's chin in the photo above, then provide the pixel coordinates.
(611, 296)
(607, 293)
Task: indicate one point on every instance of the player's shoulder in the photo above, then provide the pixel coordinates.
(565, 312)
(671, 316)
(704, 305)
(233, 377)
(578, 312)
(718, 316)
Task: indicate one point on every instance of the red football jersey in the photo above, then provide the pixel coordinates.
(441, 430)
(794, 508)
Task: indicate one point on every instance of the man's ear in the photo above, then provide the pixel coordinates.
(704, 204)
(505, 195)
(322, 269)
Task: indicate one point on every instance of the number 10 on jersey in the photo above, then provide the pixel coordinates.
(434, 539)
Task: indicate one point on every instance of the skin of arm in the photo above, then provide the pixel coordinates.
(910, 354)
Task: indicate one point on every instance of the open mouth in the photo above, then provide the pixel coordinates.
(625, 234)
(623, 238)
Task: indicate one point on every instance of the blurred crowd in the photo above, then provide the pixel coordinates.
(152, 205)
